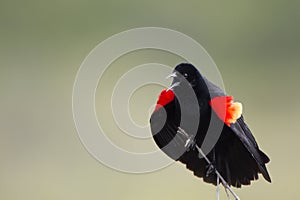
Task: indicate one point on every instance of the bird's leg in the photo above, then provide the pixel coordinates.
(218, 188)
(224, 183)
(218, 178)
(190, 140)
(210, 169)
(211, 166)
(190, 143)
(227, 194)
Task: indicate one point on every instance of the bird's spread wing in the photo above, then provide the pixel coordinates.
(164, 126)
(244, 134)
(242, 149)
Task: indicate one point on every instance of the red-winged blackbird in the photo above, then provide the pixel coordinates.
(235, 155)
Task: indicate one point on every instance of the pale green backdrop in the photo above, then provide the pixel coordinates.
(255, 45)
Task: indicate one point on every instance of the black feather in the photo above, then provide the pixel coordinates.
(236, 154)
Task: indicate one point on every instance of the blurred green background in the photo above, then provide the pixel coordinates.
(255, 44)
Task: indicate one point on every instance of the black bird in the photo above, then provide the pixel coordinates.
(235, 155)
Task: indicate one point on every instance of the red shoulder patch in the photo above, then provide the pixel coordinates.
(165, 97)
(226, 109)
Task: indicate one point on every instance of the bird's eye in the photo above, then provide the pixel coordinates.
(185, 75)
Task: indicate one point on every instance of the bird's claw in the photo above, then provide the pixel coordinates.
(210, 169)
(190, 143)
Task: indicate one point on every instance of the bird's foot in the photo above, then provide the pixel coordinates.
(190, 144)
(210, 169)
(227, 194)
(190, 139)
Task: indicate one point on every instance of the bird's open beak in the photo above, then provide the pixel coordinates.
(173, 85)
(173, 75)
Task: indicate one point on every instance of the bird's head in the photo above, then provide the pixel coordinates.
(185, 71)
